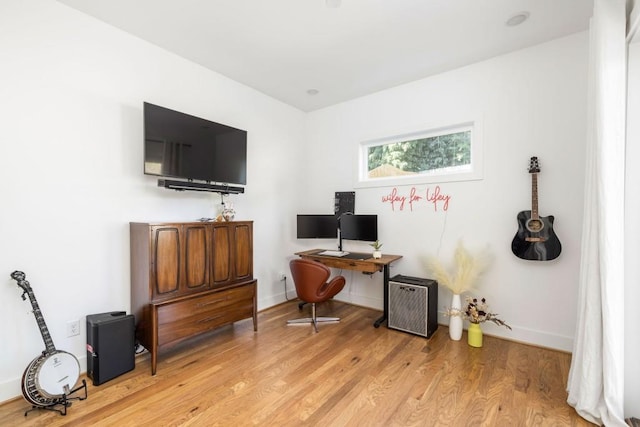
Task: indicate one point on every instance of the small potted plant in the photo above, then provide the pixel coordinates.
(376, 249)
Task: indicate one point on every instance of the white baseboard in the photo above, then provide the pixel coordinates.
(361, 300)
(517, 334)
(10, 389)
(523, 335)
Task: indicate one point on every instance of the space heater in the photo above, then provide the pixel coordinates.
(413, 305)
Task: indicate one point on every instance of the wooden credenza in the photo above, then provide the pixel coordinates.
(189, 278)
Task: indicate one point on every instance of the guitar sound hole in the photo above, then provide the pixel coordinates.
(535, 225)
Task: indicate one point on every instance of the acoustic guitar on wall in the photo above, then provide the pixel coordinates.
(535, 239)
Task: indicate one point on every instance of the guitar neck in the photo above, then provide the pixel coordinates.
(534, 196)
(44, 331)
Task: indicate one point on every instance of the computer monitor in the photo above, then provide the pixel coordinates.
(359, 227)
(317, 227)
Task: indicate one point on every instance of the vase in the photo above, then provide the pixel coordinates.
(228, 213)
(377, 254)
(474, 335)
(455, 318)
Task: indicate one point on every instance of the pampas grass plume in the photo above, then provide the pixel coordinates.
(467, 270)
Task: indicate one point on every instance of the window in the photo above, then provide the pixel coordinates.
(446, 154)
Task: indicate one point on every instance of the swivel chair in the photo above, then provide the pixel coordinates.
(310, 278)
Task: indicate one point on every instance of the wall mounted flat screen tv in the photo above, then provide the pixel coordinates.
(317, 227)
(179, 145)
(359, 227)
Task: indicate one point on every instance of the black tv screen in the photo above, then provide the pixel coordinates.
(317, 227)
(183, 146)
(359, 227)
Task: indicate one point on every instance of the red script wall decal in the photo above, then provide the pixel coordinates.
(435, 196)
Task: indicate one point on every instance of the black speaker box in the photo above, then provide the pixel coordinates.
(413, 305)
(110, 345)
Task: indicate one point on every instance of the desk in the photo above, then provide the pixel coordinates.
(368, 266)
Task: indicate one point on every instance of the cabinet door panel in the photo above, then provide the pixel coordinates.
(166, 259)
(221, 254)
(244, 252)
(196, 257)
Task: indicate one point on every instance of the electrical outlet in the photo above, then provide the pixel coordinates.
(282, 276)
(73, 328)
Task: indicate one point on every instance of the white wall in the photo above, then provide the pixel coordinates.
(71, 94)
(632, 226)
(531, 102)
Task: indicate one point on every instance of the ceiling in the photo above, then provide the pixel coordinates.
(285, 48)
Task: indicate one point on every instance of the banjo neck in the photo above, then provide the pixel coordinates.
(44, 331)
(20, 277)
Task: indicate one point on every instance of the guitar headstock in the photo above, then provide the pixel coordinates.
(20, 277)
(534, 166)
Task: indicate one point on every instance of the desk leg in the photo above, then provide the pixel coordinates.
(385, 298)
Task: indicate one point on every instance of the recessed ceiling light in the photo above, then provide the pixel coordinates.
(333, 3)
(313, 92)
(517, 19)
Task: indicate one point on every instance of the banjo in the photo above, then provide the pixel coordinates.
(50, 377)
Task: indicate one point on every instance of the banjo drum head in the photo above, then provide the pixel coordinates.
(58, 371)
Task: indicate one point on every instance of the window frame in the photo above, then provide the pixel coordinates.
(474, 172)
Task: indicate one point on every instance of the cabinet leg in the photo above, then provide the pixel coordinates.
(154, 338)
(255, 312)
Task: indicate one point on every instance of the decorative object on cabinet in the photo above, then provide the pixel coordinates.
(190, 278)
(228, 213)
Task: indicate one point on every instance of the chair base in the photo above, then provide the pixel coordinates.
(310, 320)
(313, 319)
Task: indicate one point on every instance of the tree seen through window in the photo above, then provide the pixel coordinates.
(419, 156)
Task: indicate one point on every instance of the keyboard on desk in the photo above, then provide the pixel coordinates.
(333, 253)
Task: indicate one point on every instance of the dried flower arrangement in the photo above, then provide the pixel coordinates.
(478, 312)
(467, 269)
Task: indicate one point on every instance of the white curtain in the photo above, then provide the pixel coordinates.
(596, 377)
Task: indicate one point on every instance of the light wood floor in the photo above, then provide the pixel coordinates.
(349, 374)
